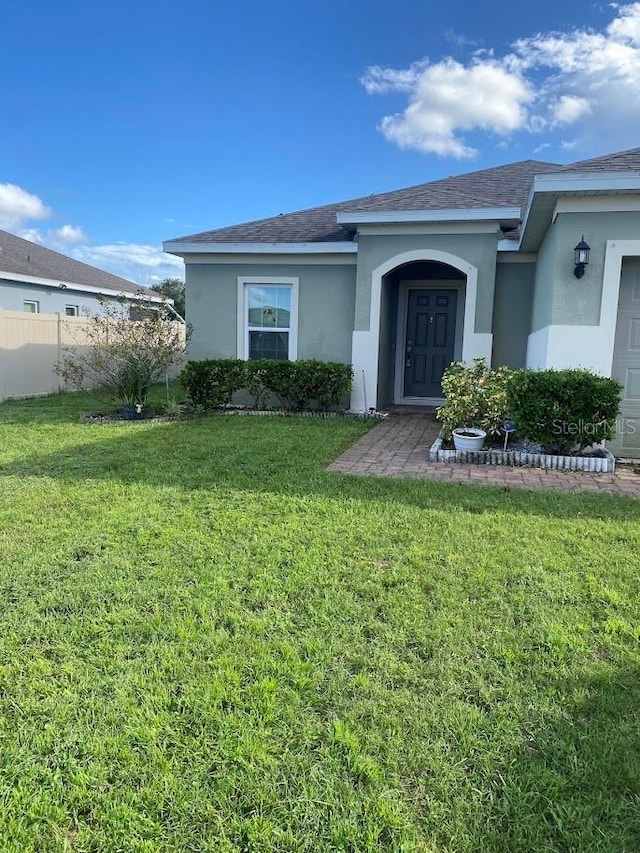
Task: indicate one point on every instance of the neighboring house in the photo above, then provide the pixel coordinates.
(41, 281)
(402, 283)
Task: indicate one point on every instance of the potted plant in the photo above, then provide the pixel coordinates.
(468, 438)
(476, 403)
(133, 385)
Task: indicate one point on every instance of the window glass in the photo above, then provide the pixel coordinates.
(272, 345)
(269, 307)
(71, 310)
(30, 306)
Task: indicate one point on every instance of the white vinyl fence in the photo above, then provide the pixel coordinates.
(30, 345)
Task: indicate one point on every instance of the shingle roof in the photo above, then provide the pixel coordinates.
(23, 257)
(501, 186)
(622, 161)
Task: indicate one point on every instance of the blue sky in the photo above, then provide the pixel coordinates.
(126, 124)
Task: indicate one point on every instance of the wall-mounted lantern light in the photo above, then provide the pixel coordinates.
(581, 257)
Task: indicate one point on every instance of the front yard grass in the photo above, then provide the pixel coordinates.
(207, 643)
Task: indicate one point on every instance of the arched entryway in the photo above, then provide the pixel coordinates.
(421, 329)
(377, 350)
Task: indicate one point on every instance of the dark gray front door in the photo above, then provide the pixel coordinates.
(431, 331)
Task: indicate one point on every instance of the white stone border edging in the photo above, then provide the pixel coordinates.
(605, 464)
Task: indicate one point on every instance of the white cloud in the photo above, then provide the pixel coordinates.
(378, 80)
(626, 27)
(18, 205)
(33, 234)
(448, 97)
(569, 109)
(582, 77)
(70, 234)
(145, 264)
(139, 262)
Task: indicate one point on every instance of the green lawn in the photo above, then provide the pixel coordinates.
(209, 644)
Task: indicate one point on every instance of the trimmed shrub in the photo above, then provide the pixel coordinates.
(291, 383)
(476, 396)
(564, 410)
(298, 383)
(257, 375)
(332, 382)
(212, 383)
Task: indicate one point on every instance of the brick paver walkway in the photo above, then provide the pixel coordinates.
(397, 447)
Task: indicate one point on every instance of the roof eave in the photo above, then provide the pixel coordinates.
(471, 214)
(176, 247)
(21, 278)
(546, 189)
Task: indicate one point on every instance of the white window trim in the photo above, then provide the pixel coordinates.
(246, 281)
(76, 310)
(34, 302)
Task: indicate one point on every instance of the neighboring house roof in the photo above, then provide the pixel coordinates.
(499, 187)
(24, 258)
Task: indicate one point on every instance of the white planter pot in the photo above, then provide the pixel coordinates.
(468, 438)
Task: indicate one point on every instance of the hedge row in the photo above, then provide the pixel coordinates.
(296, 384)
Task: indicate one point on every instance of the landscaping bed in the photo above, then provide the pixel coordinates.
(554, 419)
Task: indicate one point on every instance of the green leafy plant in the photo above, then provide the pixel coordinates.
(476, 396)
(292, 382)
(211, 383)
(172, 408)
(257, 375)
(331, 382)
(125, 357)
(173, 288)
(564, 410)
(296, 384)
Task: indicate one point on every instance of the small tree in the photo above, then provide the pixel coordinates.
(122, 356)
(173, 288)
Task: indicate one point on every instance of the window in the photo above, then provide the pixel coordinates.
(268, 318)
(71, 310)
(31, 306)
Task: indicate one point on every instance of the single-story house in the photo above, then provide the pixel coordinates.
(528, 264)
(40, 281)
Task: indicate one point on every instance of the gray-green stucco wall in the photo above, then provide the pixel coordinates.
(512, 313)
(479, 250)
(387, 346)
(326, 304)
(560, 298)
